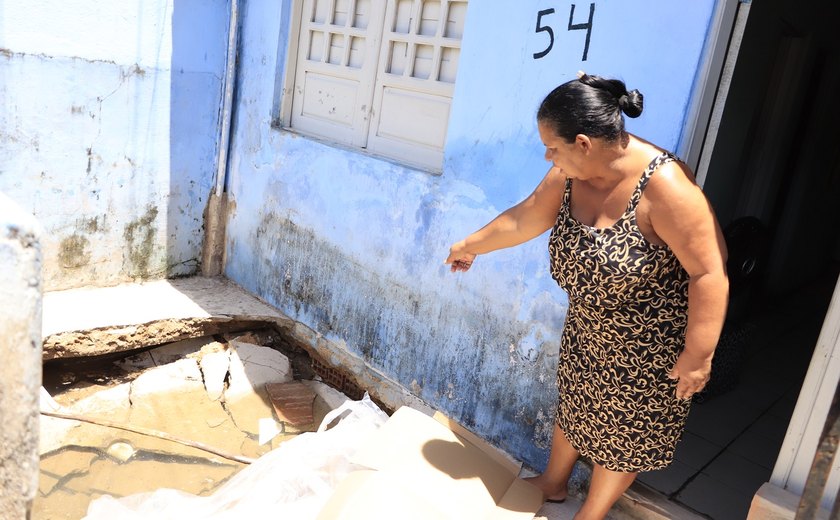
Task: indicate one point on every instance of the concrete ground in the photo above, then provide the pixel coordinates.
(136, 303)
(95, 321)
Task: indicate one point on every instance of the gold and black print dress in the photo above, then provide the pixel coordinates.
(628, 302)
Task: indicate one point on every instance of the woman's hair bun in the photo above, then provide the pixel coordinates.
(590, 105)
(631, 103)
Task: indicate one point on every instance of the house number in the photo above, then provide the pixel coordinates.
(571, 27)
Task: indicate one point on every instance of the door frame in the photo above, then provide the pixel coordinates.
(703, 115)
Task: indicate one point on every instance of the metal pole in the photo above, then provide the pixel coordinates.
(227, 102)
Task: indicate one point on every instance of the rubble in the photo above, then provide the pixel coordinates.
(252, 366)
(199, 389)
(214, 369)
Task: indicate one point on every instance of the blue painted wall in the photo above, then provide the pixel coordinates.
(353, 246)
(109, 131)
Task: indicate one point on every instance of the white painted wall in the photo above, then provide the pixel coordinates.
(109, 131)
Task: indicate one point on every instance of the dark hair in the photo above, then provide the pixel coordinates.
(590, 105)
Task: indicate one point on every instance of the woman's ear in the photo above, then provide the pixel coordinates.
(584, 143)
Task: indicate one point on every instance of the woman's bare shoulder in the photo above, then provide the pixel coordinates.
(674, 178)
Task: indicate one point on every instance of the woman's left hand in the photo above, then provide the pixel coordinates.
(692, 372)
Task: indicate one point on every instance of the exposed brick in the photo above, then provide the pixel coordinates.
(292, 402)
(338, 379)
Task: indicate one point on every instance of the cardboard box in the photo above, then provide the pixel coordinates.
(431, 468)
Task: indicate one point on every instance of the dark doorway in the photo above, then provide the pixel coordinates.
(774, 181)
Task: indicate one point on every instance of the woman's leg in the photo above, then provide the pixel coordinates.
(604, 489)
(554, 480)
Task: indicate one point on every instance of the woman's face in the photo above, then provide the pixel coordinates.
(557, 150)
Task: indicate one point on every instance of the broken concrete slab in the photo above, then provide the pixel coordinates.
(179, 376)
(114, 401)
(332, 397)
(252, 366)
(188, 416)
(136, 362)
(171, 398)
(94, 321)
(135, 303)
(180, 349)
(214, 365)
(158, 401)
(212, 356)
(247, 409)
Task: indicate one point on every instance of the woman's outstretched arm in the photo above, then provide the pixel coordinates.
(528, 219)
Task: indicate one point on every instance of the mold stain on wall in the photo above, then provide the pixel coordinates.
(426, 341)
(77, 252)
(139, 244)
(93, 225)
(74, 251)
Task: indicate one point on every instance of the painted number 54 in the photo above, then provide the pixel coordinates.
(543, 26)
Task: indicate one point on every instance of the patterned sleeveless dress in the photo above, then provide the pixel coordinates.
(628, 303)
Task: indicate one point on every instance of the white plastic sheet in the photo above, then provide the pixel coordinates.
(292, 481)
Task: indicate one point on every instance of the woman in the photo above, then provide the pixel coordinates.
(637, 248)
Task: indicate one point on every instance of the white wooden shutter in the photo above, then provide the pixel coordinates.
(421, 44)
(336, 66)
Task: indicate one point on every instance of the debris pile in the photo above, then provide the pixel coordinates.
(232, 393)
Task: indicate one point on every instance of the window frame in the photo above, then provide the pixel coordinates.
(284, 95)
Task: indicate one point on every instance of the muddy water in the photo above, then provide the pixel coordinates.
(91, 460)
(72, 477)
